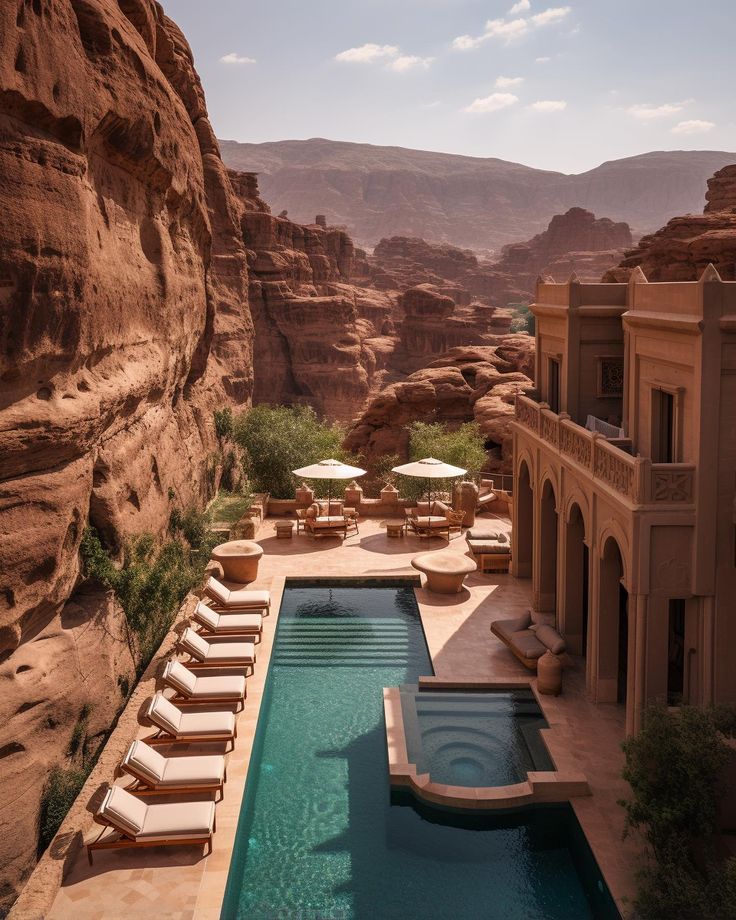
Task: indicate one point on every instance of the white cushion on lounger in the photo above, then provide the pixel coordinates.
(164, 714)
(241, 597)
(146, 762)
(177, 819)
(180, 678)
(224, 622)
(226, 686)
(123, 810)
(194, 771)
(231, 651)
(207, 723)
(195, 644)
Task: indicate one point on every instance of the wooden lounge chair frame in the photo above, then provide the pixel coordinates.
(125, 840)
(182, 700)
(143, 787)
(162, 736)
(195, 663)
(206, 632)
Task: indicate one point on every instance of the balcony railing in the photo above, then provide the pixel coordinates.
(636, 478)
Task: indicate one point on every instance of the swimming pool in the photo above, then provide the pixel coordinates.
(319, 833)
(474, 738)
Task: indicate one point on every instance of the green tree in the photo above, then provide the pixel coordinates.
(462, 446)
(279, 439)
(674, 767)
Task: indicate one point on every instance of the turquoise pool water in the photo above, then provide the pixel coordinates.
(321, 836)
(479, 738)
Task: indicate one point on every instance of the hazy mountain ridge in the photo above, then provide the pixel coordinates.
(467, 201)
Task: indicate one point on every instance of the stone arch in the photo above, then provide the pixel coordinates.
(523, 530)
(574, 589)
(613, 626)
(546, 594)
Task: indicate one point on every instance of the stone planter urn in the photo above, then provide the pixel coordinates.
(465, 499)
(549, 674)
(239, 560)
(389, 495)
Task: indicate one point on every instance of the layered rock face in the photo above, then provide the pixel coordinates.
(319, 337)
(467, 384)
(124, 322)
(434, 324)
(575, 241)
(682, 249)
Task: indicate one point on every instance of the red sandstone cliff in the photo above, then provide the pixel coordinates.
(123, 322)
(682, 249)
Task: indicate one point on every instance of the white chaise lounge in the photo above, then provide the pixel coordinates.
(153, 773)
(137, 824)
(225, 600)
(174, 726)
(207, 654)
(196, 689)
(228, 624)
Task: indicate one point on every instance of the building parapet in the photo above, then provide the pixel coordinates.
(637, 479)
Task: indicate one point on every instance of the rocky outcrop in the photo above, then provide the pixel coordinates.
(575, 241)
(467, 384)
(123, 321)
(434, 324)
(319, 338)
(683, 248)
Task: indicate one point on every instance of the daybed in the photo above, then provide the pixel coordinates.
(433, 520)
(529, 640)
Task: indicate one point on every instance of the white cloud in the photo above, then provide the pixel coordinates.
(550, 15)
(693, 126)
(406, 62)
(507, 29)
(645, 112)
(506, 82)
(548, 105)
(234, 58)
(432, 105)
(542, 60)
(510, 30)
(367, 54)
(492, 103)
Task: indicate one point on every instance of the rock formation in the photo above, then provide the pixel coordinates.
(124, 321)
(682, 249)
(576, 241)
(467, 384)
(319, 337)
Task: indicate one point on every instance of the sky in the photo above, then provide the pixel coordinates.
(551, 85)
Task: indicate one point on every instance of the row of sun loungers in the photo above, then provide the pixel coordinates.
(128, 820)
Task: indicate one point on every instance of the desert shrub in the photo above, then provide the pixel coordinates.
(229, 507)
(463, 447)
(524, 320)
(79, 732)
(153, 579)
(62, 787)
(223, 422)
(674, 766)
(278, 439)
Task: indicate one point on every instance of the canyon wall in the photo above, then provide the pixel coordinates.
(683, 248)
(124, 322)
(319, 337)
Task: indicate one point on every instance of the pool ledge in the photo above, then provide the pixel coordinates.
(538, 788)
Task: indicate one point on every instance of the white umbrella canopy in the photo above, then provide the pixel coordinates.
(429, 469)
(329, 470)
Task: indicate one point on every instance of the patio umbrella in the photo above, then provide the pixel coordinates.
(429, 469)
(329, 470)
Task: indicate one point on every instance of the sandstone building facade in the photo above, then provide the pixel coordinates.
(625, 484)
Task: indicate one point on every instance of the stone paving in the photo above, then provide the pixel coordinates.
(181, 884)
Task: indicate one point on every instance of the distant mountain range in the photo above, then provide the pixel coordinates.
(467, 201)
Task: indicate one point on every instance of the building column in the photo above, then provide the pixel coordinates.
(636, 697)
